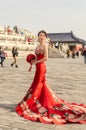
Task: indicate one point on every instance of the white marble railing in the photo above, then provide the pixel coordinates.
(13, 37)
(10, 40)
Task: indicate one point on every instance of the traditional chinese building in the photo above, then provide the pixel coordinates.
(66, 40)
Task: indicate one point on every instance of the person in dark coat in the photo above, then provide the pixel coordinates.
(2, 56)
(77, 53)
(84, 54)
(15, 55)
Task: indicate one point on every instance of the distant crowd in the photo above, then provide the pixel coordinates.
(3, 56)
(76, 53)
(29, 37)
(73, 53)
(70, 54)
(12, 30)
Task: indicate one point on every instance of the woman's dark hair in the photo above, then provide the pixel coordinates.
(42, 31)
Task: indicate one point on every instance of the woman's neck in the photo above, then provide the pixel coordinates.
(41, 43)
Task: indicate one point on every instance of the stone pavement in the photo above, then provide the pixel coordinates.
(66, 77)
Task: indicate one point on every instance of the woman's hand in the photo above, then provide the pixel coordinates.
(34, 62)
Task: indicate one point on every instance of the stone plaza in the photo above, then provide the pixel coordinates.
(66, 77)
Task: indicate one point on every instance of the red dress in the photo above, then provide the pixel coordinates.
(41, 104)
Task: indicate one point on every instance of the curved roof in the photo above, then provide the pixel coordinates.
(65, 38)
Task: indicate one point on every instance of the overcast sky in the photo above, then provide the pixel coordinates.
(50, 15)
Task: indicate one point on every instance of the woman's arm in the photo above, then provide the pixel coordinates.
(45, 55)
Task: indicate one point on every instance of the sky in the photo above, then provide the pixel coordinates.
(53, 16)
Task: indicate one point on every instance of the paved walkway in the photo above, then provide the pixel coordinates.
(66, 77)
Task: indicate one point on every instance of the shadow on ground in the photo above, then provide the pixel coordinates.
(10, 107)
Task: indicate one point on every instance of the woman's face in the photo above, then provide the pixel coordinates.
(41, 37)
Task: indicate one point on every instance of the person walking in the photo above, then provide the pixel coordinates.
(2, 56)
(73, 54)
(84, 54)
(77, 54)
(68, 53)
(15, 55)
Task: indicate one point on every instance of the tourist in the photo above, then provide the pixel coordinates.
(68, 53)
(73, 54)
(77, 53)
(15, 55)
(84, 54)
(16, 29)
(2, 56)
(40, 103)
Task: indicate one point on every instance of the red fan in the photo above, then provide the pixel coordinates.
(30, 57)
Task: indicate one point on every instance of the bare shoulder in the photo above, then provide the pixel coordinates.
(45, 45)
(37, 47)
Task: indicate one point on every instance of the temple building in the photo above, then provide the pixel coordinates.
(66, 40)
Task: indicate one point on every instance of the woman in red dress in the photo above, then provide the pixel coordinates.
(40, 103)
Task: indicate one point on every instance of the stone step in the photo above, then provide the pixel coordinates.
(55, 53)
